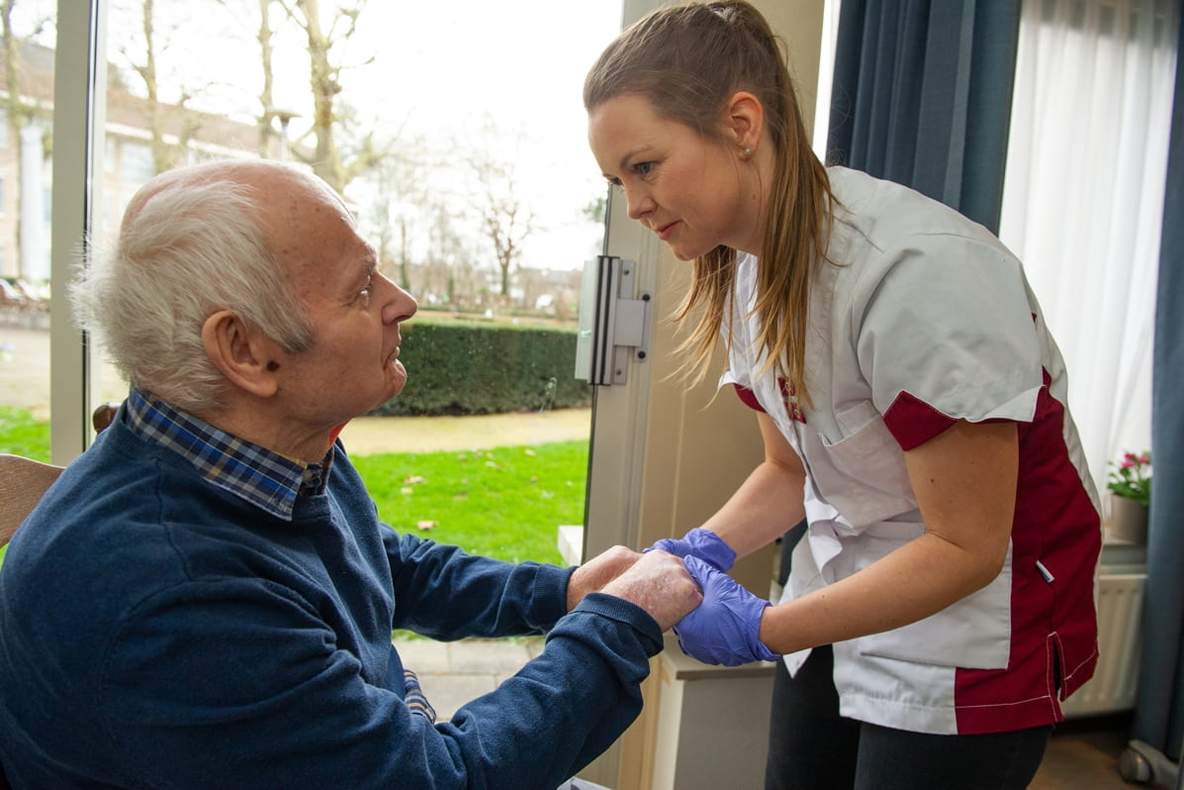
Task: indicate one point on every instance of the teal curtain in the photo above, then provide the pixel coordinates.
(1159, 716)
(922, 96)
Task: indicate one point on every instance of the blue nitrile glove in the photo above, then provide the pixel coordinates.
(701, 543)
(725, 628)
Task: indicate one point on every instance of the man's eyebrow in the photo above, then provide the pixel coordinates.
(370, 265)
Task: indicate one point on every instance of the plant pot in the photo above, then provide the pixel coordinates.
(1128, 519)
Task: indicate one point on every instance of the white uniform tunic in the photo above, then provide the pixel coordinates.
(928, 319)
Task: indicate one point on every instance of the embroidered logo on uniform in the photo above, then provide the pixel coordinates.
(789, 395)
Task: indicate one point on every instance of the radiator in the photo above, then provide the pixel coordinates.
(1112, 688)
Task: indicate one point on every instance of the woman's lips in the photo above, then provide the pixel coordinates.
(665, 231)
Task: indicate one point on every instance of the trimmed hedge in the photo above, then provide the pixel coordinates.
(463, 368)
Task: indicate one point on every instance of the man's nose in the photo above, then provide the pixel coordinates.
(399, 305)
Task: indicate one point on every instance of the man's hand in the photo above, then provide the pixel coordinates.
(726, 628)
(597, 572)
(659, 584)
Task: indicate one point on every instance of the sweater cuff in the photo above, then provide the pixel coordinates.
(549, 600)
(626, 612)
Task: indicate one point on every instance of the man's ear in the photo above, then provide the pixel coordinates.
(244, 355)
(744, 120)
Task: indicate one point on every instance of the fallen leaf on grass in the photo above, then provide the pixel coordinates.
(406, 490)
(410, 481)
(530, 452)
(425, 525)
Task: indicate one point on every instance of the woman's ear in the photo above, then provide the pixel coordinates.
(245, 356)
(744, 121)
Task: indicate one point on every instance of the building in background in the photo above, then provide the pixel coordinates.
(129, 159)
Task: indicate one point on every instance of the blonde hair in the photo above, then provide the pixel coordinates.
(688, 61)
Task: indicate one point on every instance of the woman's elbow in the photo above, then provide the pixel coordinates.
(988, 563)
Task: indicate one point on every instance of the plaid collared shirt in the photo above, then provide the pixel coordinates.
(264, 478)
(258, 475)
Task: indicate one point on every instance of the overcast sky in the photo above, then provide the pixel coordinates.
(437, 70)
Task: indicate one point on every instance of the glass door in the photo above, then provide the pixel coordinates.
(456, 133)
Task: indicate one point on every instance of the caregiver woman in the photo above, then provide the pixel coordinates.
(912, 407)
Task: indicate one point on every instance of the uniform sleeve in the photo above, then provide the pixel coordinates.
(240, 683)
(944, 332)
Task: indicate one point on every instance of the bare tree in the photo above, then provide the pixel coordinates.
(266, 131)
(395, 208)
(594, 210)
(165, 155)
(336, 166)
(448, 270)
(506, 220)
(19, 113)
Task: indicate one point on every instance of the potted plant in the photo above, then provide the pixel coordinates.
(1130, 494)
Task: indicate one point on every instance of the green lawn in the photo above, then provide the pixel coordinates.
(20, 434)
(504, 503)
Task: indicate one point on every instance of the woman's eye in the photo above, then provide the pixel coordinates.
(643, 168)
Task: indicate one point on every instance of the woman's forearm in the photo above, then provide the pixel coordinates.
(965, 484)
(923, 577)
(767, 504)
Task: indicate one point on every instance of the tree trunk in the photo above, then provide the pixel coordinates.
(404, 264)
(162, 157)
(325, 88)
(17, 116)
(266, 133)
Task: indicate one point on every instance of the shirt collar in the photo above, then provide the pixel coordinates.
(257, 475)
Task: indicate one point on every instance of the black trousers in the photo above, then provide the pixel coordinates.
(811, 747)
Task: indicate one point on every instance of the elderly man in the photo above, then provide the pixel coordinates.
(205, 597)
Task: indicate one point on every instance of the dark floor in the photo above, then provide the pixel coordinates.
(1083, 755)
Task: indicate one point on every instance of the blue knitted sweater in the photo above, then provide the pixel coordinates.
(157, 631)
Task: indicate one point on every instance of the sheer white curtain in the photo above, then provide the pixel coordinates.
(1083, 198)
(826, 75)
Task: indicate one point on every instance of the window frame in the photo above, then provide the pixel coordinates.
(80, 85)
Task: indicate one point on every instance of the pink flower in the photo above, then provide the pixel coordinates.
(1145, 458)
(1129, 462)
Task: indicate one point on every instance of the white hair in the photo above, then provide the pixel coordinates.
(191, 249)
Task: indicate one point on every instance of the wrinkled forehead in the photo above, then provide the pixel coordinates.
(314, 237)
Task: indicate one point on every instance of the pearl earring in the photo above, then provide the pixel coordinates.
(746, 153)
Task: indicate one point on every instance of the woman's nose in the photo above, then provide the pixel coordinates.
(638, 204)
